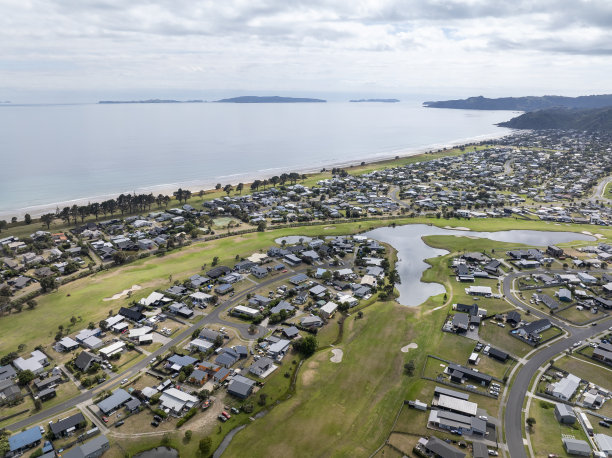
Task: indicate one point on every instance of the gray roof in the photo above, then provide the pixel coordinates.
(90, 448)
(564, 410)
(240, 386)
(117, 399)
(576, 447)
(7, 372)
(441, 448)
(60, 426)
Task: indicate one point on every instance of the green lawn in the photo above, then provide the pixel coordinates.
(578, 316)
(546, 435)
(501, 338)
(588, 370)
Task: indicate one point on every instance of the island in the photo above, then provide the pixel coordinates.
(149, 101)
(599, 119)
(269, 99)
(375, 100)
(529, 103)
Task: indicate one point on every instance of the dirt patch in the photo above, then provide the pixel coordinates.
(337, 355)
(125, 292)
(599, 236)
(309, 373)
(326, 228)
(458, 228)
(410, 346)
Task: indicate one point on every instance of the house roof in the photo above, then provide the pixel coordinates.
(576, 446)
(117, 399)
(24, 438)
(62, 425)
(441, 448)
(89, 448)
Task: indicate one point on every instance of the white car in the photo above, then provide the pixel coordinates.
(483, 417)
(493, 452)
(124, 381)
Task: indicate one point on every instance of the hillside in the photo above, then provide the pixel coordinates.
(269, 99)
(562, 118)
(529, 103)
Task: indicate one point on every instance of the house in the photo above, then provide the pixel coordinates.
(177, 362)
(576, 447)
(245, 311)
(198, 377)
(291, 332)
(35, 363)
(114, 401)
(91, 449)
(198, 280)
(278, 349)
(199, 298)
(479, 291)
(457, 422)
(531, 331)
(438, 448)
(178, 308)
(176, 400)
(112, 349)
(328, 310)
(42, 384)
(9, 392)
(210, 335)
(554, 251)
(317, 291)
(217, 272)
(311, 322)
(240, 386)
(200, 345)
(7, 372)
(25, 440)
(84, 361)
(177, 290)
(136, 333)
(461, 322)
(152, 299)
(604, 443)
(498, 354)
(298, 279)
(224, 288)
(564, 295)
(259, 272)
(282, 305)
(221, 375)
(132, 314)
(261, 366)
(565, 388)
(513, 317)
(227, 358)
(68, 426)
(47, 394)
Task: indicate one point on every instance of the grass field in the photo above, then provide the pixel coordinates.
(546, 435)
(588, 370)
(501, 338)
(578, 316)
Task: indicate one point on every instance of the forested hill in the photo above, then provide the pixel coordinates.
(269, 99)
(530, 103)
(562, 118)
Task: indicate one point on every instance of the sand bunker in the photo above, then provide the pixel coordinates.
(338, 354)
(458, 228)
(125, 292)
(410, 346)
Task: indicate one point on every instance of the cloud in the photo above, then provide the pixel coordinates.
(308, 44)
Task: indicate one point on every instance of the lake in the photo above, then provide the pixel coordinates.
(412, 251)
(65, 154)
(159, 452)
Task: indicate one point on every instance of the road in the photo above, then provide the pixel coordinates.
(513, 421)
(212, 317)
(598, 193)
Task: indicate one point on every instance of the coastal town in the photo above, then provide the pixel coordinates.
(198, 321)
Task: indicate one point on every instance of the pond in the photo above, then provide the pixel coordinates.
(158, 452)
(293, 239)
(412, 251)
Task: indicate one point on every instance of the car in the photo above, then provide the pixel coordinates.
(155, 424)
(456, 431)
(119, 423)
(152, 361)
(501, 325)
(42, 430)
(284, 271)
(226, 415)
(124, 381)
(235, 410)
(105, 419)
(593, 324)
(157, 418)
(493, 452)
(206, 404)
(610, 328)
(222, 418)
(604, 424)
(483, 417)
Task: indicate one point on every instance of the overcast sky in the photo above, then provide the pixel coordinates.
(71, 50)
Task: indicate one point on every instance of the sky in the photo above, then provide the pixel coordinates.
(84, 50)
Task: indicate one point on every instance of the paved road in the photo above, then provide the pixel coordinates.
(212, 317)
(598, 193)
(513, 416)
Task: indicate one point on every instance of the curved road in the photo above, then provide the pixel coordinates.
(598, 193)
(513, 416)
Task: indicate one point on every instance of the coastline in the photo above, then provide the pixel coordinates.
(195, 186)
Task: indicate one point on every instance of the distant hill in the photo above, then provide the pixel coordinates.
(150, 101)
(525, 103)
(269, 99)
(375, 100)
(599, 119)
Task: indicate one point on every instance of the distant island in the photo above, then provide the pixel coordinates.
(530, 103)
(599, 119)
(150, 101)
(269, 99)
(375, 100)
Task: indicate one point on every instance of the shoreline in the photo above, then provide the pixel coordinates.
(207, 185)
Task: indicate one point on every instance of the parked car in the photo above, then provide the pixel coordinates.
(493, 452)
(226, 415)
(604, 424)
(155, 424)
(235, 410)
(119, 423)
(222, 418)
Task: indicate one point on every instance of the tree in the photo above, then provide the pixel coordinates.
(240, 187)
(27, 218)
(25, 377)
(228, 188)
(205, 445)
(218, 186)
(531, 422)
(119, 257)
(261, 226)
(32, 304)
(47, 284)
(306, 346)
(3, 224)
(409, 368)
(188, 435)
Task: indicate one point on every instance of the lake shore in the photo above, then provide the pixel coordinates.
(207, 185)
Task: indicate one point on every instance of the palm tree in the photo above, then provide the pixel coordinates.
(228, 189)
(239, 187)
(47, 218)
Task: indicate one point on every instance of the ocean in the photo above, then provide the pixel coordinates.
(57, 155)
